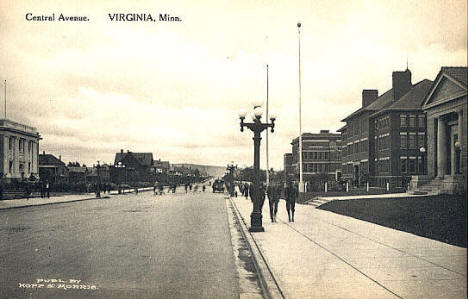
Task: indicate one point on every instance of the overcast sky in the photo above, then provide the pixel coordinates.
(174, 89)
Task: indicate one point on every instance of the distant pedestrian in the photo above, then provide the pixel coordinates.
(291, 194)
(190, 187)
(27, 191)
(42, 188)
(47, 189)
(186, 188)
(161, 189)
(246, 190)
(204, 188)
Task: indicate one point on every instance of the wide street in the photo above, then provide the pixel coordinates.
(128, 246)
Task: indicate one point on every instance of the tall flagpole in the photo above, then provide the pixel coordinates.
(301, 185)
(5, 99)
(267, 164)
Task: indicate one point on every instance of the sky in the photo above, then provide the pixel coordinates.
(175, 88)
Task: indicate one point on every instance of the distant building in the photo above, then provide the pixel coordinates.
(19, 150)
(77, 174)
(52, 169)
(446, 111)
(161, 167)
(321, 154)
(137, 166)
(287, 165)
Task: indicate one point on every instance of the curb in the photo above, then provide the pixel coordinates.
(268, 283)
(52, 203)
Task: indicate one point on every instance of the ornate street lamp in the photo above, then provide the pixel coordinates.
(257, 127)
(120, 167)
(98, 185)
(422, 150)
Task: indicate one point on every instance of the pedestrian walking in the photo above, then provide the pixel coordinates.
(274, 193)
(246, 190)
(204, 188)
(291, 194)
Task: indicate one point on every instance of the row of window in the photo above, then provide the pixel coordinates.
(321, 156)
(21, 145)
(356, 127)
(357, 147)
(321, 167)
(382, 123)
(412, 120)
(411, 141)
(350, 169)
(382, 142)
(412, 165)
(382, 166)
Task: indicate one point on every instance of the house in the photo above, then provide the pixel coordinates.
(137, 166)
(52, 169)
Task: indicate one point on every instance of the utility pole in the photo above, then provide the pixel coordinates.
(301, 184)
(267, 157)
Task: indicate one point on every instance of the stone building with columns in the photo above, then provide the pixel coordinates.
(19, 150)
(446, 112)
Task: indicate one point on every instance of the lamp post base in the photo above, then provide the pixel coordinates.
(256, 229)
(256, 222)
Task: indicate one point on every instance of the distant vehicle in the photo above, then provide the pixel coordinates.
(218, 185)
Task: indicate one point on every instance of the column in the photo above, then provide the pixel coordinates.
(452, 152)
(441, 147)
(460, 137)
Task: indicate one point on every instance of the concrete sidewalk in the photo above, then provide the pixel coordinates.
(326, 255)
(37, 201)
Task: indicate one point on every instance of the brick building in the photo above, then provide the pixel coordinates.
(383, 138)
(321, 154)
(19, 150)
(287, 165)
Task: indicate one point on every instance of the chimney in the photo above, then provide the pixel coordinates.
(43, 153)
(60, 157)
(324, 131)
(401, 83)
(121, 151)
(369, 96)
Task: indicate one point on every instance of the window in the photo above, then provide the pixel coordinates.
(412, 165)
(10, 167)
(403, 167)
(403, 141)
(412, 141)
(412, 121)
(10, 143)
(421, 164)
(420, 140)
(403, 122)
(21, 145)
(327, 156)
(421, 121)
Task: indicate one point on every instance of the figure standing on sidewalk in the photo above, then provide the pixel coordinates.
(291, 194)
(273, 192)
(47, 189)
